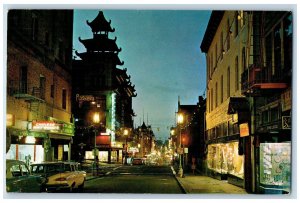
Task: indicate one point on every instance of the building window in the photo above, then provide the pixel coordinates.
(274, 114)
(60, 50)
(23, 79)
(216, 99)
(42, 86)
(277, 49)
(236, 73)
(52, 91)
(212, 99)
(221, 44)
(47, 40)
(208, 67)
(244, 59)
(228, 82)
(64, 99)
(287, 41)
(34, 28)
(222, 87)
(236, 24)
(216, 55)
(242, 18)
(228, 34)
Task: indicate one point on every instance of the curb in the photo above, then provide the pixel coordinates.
(178, 182)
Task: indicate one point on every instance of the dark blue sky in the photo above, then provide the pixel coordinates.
(161, 51)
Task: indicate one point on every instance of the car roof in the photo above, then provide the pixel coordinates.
(51, 163)
(13, 161)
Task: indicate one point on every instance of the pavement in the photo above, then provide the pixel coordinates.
(190, 183)
(201, 184)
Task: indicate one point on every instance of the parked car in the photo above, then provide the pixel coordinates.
(19, 178)
(60, 175)
(137, 161)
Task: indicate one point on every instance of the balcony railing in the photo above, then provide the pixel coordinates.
(25, 90)
(261, 78)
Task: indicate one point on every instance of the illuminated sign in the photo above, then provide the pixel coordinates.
(45, 125)
(84, 97)
(244, 130)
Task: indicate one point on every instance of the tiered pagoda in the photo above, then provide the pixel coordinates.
(100, 87)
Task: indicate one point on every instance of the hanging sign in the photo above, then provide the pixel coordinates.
(244, 130)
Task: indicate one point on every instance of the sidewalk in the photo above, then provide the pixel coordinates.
(200, 184)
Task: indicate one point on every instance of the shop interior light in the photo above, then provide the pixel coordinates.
(30, 140)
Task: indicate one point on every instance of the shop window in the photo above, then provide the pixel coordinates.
(275, 166)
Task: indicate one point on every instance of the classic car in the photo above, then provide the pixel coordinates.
(19, 178)
(60, 175)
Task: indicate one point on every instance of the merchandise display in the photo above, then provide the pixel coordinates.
(224, 159)
(275, 164)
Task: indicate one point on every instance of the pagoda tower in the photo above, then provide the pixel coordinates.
(99, 86)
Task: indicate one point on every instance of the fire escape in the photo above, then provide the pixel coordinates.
(260, 79)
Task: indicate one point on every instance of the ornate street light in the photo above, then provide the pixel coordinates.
(180, 122)
(96, 121)
(125, 133)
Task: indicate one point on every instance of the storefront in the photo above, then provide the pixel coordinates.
(275, 167)
(223, 159)
(37, 141)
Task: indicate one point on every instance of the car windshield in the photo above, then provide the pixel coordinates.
(47, 168)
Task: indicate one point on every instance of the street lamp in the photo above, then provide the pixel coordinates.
(180, 121)
(96, 120)
(125, 133)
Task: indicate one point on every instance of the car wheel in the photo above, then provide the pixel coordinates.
(72, 188)
(80, 187)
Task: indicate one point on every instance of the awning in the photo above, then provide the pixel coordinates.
(238, 104)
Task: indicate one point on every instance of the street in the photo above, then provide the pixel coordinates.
(138, 179)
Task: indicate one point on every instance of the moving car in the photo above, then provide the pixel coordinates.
(60, 175)
(19, 178)
(137, 161)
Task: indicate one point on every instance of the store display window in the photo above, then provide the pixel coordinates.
(275, 165)
(224, 159)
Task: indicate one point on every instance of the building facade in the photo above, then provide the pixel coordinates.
(248, 97)
(100, 87)
(39, 123)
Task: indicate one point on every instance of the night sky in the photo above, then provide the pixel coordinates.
(161, 51)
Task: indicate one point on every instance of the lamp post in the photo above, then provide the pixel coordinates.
(96, 120)
(180, 121)
(125, 133)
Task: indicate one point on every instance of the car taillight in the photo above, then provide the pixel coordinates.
(60, 179)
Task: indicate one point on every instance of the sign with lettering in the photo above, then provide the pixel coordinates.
(286, 100)
(45, 125)
(286, 122)
(84, 97)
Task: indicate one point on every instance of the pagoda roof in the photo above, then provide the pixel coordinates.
(124, 84)
(100, 43)
(100, 56)
(100, 24)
